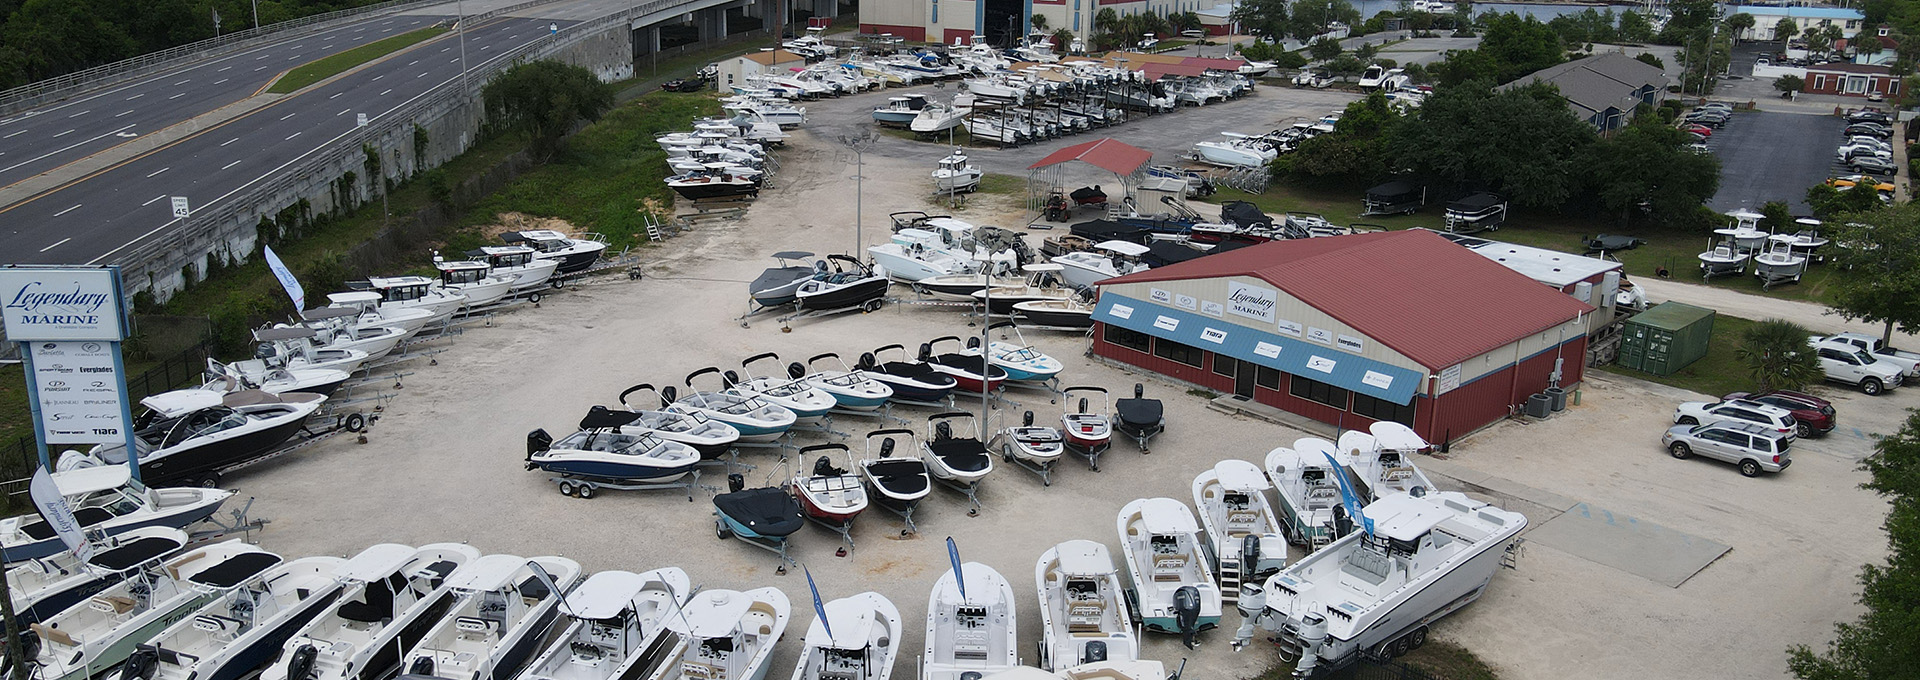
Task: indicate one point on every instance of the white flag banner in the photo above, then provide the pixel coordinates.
(53, 507)
(287, 280)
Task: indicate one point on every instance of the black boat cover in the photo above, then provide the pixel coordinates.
(235, 570)
(600, 417)
(769, 511)
(1476, 202)
(1088, 194)
(1109, 230)
(129, 555)
(88, 516)
(965, 455)
(970, 364)
(903, 476)
(775, 277)
(912, 371)
(1244, 215)
(1139, 413)
(1163, 253)
(1613, 242)
(1394, 192)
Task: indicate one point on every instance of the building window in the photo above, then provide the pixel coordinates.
(1129, 338)
(1225, 365)
(1314, 390)
(1381, 409)
(1173, 351)
(1819, 82)
(935, 12)
(1268, 378)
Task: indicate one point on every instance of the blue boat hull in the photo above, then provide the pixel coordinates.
(39, 549)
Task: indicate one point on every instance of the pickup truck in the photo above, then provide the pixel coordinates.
(1845, 363)
(1909, 362)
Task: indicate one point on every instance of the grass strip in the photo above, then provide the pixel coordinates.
(327, 67)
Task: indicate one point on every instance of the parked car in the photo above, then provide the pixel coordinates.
(1854, 366)
(1864, 140)
(1712, 119)
(1874, 165)
(1868, 115)
(1697, 129)
(1715, 106)
(1696, 412)
(1812, 415)
(1850, 181)
(1316, 77)
(1751, 446)
(1909, 362)
(1870, 129)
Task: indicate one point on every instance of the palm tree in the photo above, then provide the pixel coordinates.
(1778, 357)
(1738, 24)
(1785, 30)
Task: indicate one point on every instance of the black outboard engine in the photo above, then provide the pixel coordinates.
(1139, 391)
(926, 351)
(1186, 613)
(668, 395)
(1027, 420)
(729, 379)
(796, 371)
(537, 441)
(866, 362)
(942, 431)
(141, 665)
(736, 482)
(823, 467)
(1096, 652)
(1083, 405)
(1342, 524)
(973, 342)
(300, 666)
(263, 351)
(886, 448)
(422, 666)
(1250, 558)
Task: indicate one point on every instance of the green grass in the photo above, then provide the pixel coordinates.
(1665, 248)
(327, 67)
(1449, 661)
(1003, 185)
(1715, 374)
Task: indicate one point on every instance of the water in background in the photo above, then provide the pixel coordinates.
(1543, 12)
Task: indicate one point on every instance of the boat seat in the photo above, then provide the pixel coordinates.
(966, 455)
(473, 626)
(113, 604)
(52, 634)
(533, 590)
(378, 606)
(902, 476)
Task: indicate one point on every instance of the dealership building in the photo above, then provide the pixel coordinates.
(947, 21)
(1404, 326)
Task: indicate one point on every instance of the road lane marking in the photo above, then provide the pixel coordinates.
(224, 70)
(183, 82)
(343, 112)
(229, 165)
(291, 136)
(290, 115)
(263, 68)
(63, 150)
(383, 93)
(177, 96)
(82, 113)
(263, 56)
(383, 75)
(293, 57)
(222, 80)
(16, 134)
(336, 94)
(151, 200)
(122, 113)
(56, 244)
(137, 96)
(443, 49)
(453, 61)
(230, 141)
(63, 134)
(76, 206)
(423, 74)
(416, 61)
(156, 172)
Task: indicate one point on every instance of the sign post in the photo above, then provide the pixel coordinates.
(69, 322)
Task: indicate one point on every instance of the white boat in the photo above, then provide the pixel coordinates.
(852, 389)
(1242, 532)
(416, 292)
(257, 374)
(617, 625)
(1160, 544)
(517, 261)
(938, 246)
(575, 252)
(725, 635)
(255, 608)
(88, 639)
(1722, 259)
(1238, 151)
(49, 585)
(807, 401)
(1084, 268)
(1133, 669)
(897, 112)
(340, 328)
(372, 313)
(1383, 461)
(941, 116)
(972, 634)
(1779, 265)
(107, 502)
(1083, 611)
(501, 613)
(757, 420)
(1426, 557)
(295, 347)
(390, 595)
(955, 174)
(859, 640)
(1308, 492)
(473, 280)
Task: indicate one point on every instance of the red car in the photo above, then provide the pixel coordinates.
(1815, 415)
(1697, 128)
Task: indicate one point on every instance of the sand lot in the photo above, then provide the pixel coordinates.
(445, 462)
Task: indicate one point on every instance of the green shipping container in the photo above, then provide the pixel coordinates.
(1666, 338)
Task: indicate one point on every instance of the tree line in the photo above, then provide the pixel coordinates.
(41, 39)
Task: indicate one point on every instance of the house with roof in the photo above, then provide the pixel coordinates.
(1404, 326)
(768, 61)
(1602, 89)
(1765, 18)
(1852, 80)
(1872, 50)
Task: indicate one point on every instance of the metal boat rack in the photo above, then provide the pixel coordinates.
(241, 522)
(971, 491)
(1092, 454)
(1043, 470)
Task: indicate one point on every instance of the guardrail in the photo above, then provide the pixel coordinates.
(32, 93)
(202, 224)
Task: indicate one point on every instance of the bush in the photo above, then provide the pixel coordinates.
(1651, 60)
(1290, 60)
(1789, 83)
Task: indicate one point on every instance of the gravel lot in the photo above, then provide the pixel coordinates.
(445, 461)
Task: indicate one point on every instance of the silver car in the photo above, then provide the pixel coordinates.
(1754, 447)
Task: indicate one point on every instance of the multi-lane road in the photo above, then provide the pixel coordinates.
(91, 218)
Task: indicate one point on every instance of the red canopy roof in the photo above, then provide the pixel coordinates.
(1433, 301)
(1108, 154)
(1214, 64)
(1156, 70)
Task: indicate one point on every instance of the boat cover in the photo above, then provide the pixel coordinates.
(965, 455)
(1091, 194)
(777, 277)
(1613, 242)
(1395, 191)
(600, 417)
(903, 476)
(1475, 203)
(1139, 413)
(1109, 230)
(134, 553)
(235, 570)
(1163, 253)
(1244, 215)
(768, 511)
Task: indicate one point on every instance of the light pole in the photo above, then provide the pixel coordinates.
(858, 143)
(256, 13)
(460, 25)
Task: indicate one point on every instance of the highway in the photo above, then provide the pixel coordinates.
(95, 217)
(38, 140)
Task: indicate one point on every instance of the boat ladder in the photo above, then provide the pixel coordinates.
(1511, 559)
(1229, 580)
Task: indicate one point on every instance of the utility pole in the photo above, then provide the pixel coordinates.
(459, 8)
(256, 14)
(858, 144)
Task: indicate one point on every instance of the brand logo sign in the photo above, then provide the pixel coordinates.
(60, 304)
(79, 395)
(1252, 302)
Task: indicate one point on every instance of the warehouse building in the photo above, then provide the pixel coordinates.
(1403, 326)
(999, 21)
(1588, 279)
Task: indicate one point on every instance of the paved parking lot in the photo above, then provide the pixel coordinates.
(1766, 156)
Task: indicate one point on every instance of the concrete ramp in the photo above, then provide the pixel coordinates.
(1635, 546)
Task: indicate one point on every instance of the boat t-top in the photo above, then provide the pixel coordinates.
(617, 622)
(1160, 543)
(1084, 616)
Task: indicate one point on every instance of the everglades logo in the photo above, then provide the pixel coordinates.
(40, 304)
(1252, 302)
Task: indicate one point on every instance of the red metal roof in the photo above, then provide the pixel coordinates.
(1156, 70)
(1431, 300)
(1108, 154)
(1214, 64)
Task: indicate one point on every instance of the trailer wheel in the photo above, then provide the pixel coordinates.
(584, 491)
(1417, 638)
(566, 488)
(720, 529)
(871, 305)
(356, 422)
(210, 480)
(534, 297)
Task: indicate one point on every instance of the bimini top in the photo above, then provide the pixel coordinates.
(1394, 436)
(148, 547)
(533, 235)
(376, 562)
(605, 594)
(1081, 557)
(1127, 248)
(717, 616)
(283, 333)
(1239, 475)
(180, 402)
(1404, 517)
(490, 572)
(353, 296)
(398, 281)
(235, 570)
(82, 481)
(325, 313)
(1166, 516)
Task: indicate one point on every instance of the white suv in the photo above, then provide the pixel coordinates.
(1710, 412)
(1853, 366)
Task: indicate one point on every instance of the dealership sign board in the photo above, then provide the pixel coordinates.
(61, 304)
(78, 391)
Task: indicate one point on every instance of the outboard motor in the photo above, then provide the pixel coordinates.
(263, 351)
(537, 441)
(141, 665)
(866, 362)
(973, 342)
(886, 448)
(1027, 420)
(421, 666)
(736, 482)
(1313, 634)
(1096, 652)
(1252, 605)
(300, 665)
(926, 351)
(1083, 405)
(1342, 524)
(668, 395)
(1186, 613)
(728, 379)
(796, 371)
(942, 431)
(823, 467)
(1139, 391)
